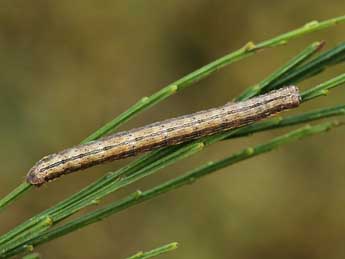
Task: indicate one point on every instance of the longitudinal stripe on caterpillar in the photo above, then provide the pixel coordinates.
(164, 133)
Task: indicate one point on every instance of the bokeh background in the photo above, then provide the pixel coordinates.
(67, 67)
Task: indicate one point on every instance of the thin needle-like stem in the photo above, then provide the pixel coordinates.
(189, 177)
(34, 231)
(155, 252)
(146, 102)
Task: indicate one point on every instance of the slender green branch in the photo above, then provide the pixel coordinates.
(307, 28)
(329, 58)
(323, 88)
(326, 59)
(146, 171)
(30, 228)
(32, 256)
(247, 50)
(191, 148)
(261, 126)
(101, 188)
(187, 178)
(280, 122)
(85, 193)
(95, 195)
(294, 62)
(109, 183)
(138, 174)
(146, 102)
(155, 252)
(15, 194)
(41, 226)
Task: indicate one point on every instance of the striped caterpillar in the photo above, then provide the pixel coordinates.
(160, 134)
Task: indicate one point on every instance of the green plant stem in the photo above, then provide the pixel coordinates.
(191, 148)
(139, 173)
(43, 225)
(146, 102)
(104, 186)
(277, 122)
(247, 50)
(273, 123)
(323, 60)
(15, 194)
(294, 62)
(280, 122)
(146, 171)
(307, 28)
(146, 159)
(30, 227)
(142, 162)
(32, 256)
(329, 58)
(323, 88)
(187, 178)
(155, 252)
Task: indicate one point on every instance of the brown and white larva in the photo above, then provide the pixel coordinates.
(161, 134)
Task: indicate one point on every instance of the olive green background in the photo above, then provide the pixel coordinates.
(67, 67)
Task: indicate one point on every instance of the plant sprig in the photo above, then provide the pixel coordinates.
(187, 178)
(138, 174)
(155, 252)
(205, 71)
(58, 213)
(38, 229)
(146, 102)
(35, 227)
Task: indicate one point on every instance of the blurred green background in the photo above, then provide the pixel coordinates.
(67, 67)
